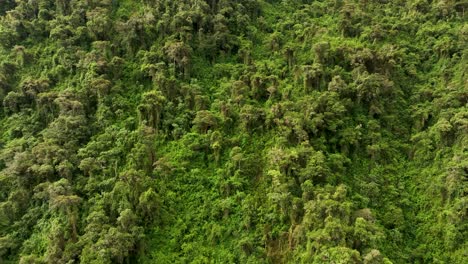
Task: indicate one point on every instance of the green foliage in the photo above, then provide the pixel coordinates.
(250, 131)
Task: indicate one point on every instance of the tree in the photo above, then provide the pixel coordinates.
(338, 255)
(374, 256)
(371, 88)
(321, 51)
(114, 246)
(102, 87)
(312, 76)
(7, 243)
(31, 88)
(21, 55)
(239, 92)
(149, 204)
(98, 23)
(205, 120)
(179, 54)
(62, 200)
(338, 85)
(280, 196)
(46, 107)
(366, 234)
(252, 118)
(10, 31)
(151, 108)
(245, 51)
(133, 182)
(216, 144)
(316, 170)
(13, 101)
(289, 54)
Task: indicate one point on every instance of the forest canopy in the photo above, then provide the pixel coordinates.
(247, 131)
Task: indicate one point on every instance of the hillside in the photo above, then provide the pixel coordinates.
(247, 131)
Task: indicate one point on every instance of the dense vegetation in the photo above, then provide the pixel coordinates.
(248, 131)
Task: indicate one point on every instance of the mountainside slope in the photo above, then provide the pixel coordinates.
(249, 131)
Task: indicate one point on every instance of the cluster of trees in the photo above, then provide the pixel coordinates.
(251, 131)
